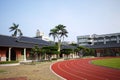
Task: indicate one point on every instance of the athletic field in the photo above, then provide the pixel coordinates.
(113, 62)
(83, 69)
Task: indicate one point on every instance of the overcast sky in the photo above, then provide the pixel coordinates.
(81, 17)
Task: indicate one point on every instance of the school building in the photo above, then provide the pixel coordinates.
(104, 45)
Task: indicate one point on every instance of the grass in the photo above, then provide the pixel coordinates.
(112, 63)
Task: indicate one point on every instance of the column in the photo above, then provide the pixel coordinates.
(117, 39)
(9, 55)
(92, 42)
(24, 54)
(104, 40)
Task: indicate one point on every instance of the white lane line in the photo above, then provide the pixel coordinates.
(71, 73)
(96, 70)
(84, 72)
(103, 68)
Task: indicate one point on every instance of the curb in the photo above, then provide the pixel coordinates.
(13, 64)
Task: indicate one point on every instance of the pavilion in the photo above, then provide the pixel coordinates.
(18, 48)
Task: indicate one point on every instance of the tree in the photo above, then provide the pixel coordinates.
(85, 51)
(92, 52)
(74, 44)
(64, 33)
(36, 51)
(66, 51)
(59, 32)
(50, 50)
(53, 33)
(16, 30)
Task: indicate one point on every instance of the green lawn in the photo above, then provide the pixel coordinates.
(113, 62)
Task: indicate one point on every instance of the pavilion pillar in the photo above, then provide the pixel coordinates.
(24, 54)
(9, 55)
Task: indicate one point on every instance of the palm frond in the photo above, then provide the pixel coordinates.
(20, 32)
(15, 33)
(14, 28)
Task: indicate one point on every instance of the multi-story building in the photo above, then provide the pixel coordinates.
(105, 43)
(84, 40)
(106, 38)
(98, 39)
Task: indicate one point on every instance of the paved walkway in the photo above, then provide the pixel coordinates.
(82, 69)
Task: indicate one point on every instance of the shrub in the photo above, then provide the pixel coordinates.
(8, 62)
(54, 58)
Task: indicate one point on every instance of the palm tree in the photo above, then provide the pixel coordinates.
(53, 33)
(59, 32)
(16, 30)
(64, 34)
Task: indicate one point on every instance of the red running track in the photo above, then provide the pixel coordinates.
(82, 69)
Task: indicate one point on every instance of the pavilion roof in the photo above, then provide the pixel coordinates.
(21, 42)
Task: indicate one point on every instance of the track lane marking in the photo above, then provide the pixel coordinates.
(83, 63)
(71, 73)
(85, 73)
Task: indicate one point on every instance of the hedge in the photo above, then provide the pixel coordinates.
(8, 62)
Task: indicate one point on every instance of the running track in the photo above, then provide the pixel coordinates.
(82, 69)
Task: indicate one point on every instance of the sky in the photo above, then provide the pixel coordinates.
(81, 17)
